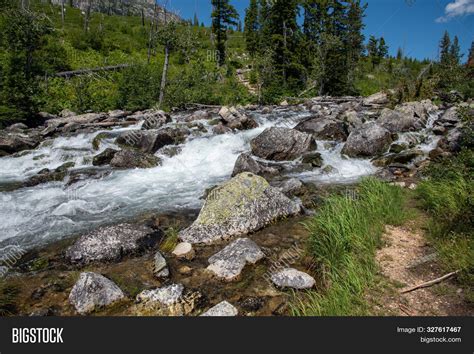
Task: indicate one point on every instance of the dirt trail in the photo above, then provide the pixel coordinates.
(242, 79)
(408, 260)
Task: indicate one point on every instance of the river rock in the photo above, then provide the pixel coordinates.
(291, 186)
(233, 119)
(229, 262)
(167, 295)
(379, 98)
(292, 278)
(396, 121)
(111, 243)
(244, 204)
(147, 142)
(134, 159)
(11, 143)
(449, 118)
(452, 141)
(404, 157)
(324, 128)
(222, 309)
(160, 267)
(184, 250)
(314, 159)
(154, 119)
(246, 163)
(281, 144)
(105, 157)
(94, 291)
(370, 140)
(16, 127)
(46, 175)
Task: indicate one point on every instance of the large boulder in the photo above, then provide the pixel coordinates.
(111, 243)
(244, 204)
(104, 158)
(281, 144)
(11, 143)
(154, 119)
(151, 141)
(324, 128)
(126, 159)
(370, 140)
(93, 291)
(246, 163)
(229, 262)
(234, 119)
(449, 118)
(397, 122)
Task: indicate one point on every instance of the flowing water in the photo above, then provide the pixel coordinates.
(48, 212)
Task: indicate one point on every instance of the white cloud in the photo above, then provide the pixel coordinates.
(455, 9)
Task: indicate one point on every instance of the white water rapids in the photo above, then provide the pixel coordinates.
(41, 214)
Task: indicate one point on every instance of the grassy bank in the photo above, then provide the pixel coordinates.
(345, 234)
(448, 196)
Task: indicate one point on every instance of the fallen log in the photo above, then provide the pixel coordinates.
(67, 74)
(430, 283)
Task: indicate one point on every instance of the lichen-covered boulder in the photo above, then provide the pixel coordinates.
(370, 140)
(111, 243)
(244, 204)
(94, 291)
(281, 144)
(229, 262)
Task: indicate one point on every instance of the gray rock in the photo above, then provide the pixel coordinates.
(11, 143)
(379, 98)
(155, 119)
(281, 144)
(233, 119)
(314, 159)
(198, 115)
(324, 128)
(291, 186)
(134, 159)
(17, 127)
(93, 291)
(246, 163)
(244, 204)
(104, 158)
(222, 309)
(167, 295)
(396, 122)
(111, 243)
(449, 118)
(3, 271)
(452, 141)
(292, 278)
(370, 140)
(159, 263)
(229, 262)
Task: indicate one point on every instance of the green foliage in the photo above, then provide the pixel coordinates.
(223, 16)
(344, 237)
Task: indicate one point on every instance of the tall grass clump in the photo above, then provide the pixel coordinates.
(344, 236)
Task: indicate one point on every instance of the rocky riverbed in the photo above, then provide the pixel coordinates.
(195, 212)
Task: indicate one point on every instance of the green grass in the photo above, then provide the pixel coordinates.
(8, 296)
(170, 239)
(345, 234)
(448, 196)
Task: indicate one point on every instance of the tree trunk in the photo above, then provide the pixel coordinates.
(87, 16)
(164, 76)
(62, 12)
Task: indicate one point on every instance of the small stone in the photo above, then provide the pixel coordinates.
(292, 278)
(167, 295)
(223, 309)
(165, 273)
(184, 250)
(229, 263)
(185, 270)
(93, 290)
(159, 263)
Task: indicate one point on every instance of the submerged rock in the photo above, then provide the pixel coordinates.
(314, 159)
(111, 243)
(222, 309)
(47, 175)
(370, 140)
(292, 278)
(160, 267)
(134, 159)
(244, 204)
(281, 144)
(93, 291)
(229, 262)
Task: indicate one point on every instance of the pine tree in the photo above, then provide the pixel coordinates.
(252, 28)
(399, 53)
(223, 15)
(373, 51)
(355, 26)
(470, 59)
(382, 50)
(444, 47)
(196, 20)
(455, 52)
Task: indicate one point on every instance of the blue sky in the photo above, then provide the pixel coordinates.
(415, 25)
